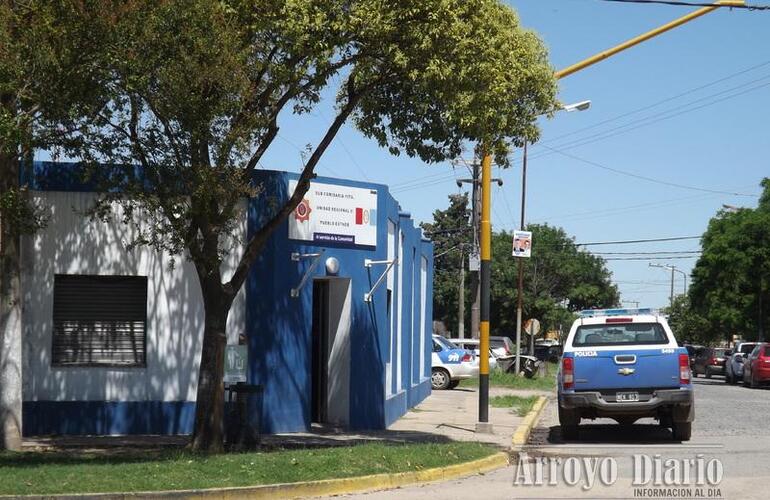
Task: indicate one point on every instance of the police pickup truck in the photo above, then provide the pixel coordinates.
(624, 364)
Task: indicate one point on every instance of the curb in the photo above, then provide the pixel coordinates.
(521, 435)
(313, 488)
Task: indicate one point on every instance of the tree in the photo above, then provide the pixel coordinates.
(686, 323)
(451, 232)
(196, 89)
(46, 76)
(556, 272)
(732, 276)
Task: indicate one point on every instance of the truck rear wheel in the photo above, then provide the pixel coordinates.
(682, 431)
(568, 420)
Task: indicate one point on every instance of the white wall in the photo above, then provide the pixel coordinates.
(72, 244)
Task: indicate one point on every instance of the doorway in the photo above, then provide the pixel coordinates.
(331, 351)
(320, 353)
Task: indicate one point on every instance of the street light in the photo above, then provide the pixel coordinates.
(569, 108)
(673, 269)
(578, 106)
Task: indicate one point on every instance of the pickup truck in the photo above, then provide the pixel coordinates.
(624, 364)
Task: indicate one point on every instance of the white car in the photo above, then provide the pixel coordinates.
(473, 346)
(450, 364)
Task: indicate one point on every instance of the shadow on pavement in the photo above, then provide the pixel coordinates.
(609, 433)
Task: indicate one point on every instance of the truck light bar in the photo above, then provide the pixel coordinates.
(596, 313)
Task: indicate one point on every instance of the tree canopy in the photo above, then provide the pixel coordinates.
(558, 273)
(193, 92)
(732, 276)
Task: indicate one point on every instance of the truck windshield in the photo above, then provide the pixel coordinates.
(620, 334)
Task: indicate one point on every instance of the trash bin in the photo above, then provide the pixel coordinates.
(243, 408)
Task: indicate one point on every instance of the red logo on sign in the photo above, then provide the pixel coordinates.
(302, 212)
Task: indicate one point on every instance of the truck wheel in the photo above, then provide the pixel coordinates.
(682, 431)
(568, 421)
(439, 379)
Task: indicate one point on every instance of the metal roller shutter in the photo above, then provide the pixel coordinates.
(99, 320)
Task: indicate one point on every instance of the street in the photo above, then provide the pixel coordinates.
(730, 426)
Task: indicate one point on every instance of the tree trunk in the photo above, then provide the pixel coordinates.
(10, 313)
(208, 435)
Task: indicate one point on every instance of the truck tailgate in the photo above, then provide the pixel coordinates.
(626, 369)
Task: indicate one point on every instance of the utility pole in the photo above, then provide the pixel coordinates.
(520, 294)
(486, 181)
(476, 282)
(461, 298)
(475, 286)
(486, 262)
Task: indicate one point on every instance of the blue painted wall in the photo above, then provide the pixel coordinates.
(279, 326)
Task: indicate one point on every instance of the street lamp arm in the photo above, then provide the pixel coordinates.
(646, 36)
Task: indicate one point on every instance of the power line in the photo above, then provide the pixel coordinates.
(648, 253)
(644, 177)
(624, 242)
(653, 258)
(658, 103)
(661, 116)
(679, 3)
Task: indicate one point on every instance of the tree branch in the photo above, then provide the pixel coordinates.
(258, 241)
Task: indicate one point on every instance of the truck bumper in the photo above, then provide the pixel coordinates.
(677, 402)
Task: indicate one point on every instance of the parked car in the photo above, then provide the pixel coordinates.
(450, 364)
(692, 353)
(502, 345)
(734, 364)
(472, 345)
(624, 364)
(711, 361)
(756, 368)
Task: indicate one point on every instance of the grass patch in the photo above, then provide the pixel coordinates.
(498, 378)
(520, 405)
(42, 473)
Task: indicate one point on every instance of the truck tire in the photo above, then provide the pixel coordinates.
(568, 420)
(682, 431)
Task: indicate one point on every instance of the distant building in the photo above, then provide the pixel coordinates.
(112, 336)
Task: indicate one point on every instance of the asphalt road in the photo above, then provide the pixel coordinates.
(731, 430)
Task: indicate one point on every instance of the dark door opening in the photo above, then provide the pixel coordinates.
(320, 353)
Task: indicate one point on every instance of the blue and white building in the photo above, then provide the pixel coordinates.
(336, 312)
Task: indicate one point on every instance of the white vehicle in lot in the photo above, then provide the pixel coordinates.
(472, 345)
(451, 364)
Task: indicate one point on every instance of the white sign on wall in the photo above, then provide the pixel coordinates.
(331, 214)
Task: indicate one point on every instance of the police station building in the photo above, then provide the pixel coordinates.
(336, 314)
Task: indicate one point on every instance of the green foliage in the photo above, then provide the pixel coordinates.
(557, 271)
(732, 276)
(452, 234)
(192, 92)
(686, 323)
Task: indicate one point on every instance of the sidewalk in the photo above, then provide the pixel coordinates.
(444, 416)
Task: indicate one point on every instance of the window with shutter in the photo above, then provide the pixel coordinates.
(99, 320)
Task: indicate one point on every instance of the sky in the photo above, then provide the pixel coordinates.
(676, 125)
(683, 116)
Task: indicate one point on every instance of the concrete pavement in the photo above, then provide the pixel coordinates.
(730, 429)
